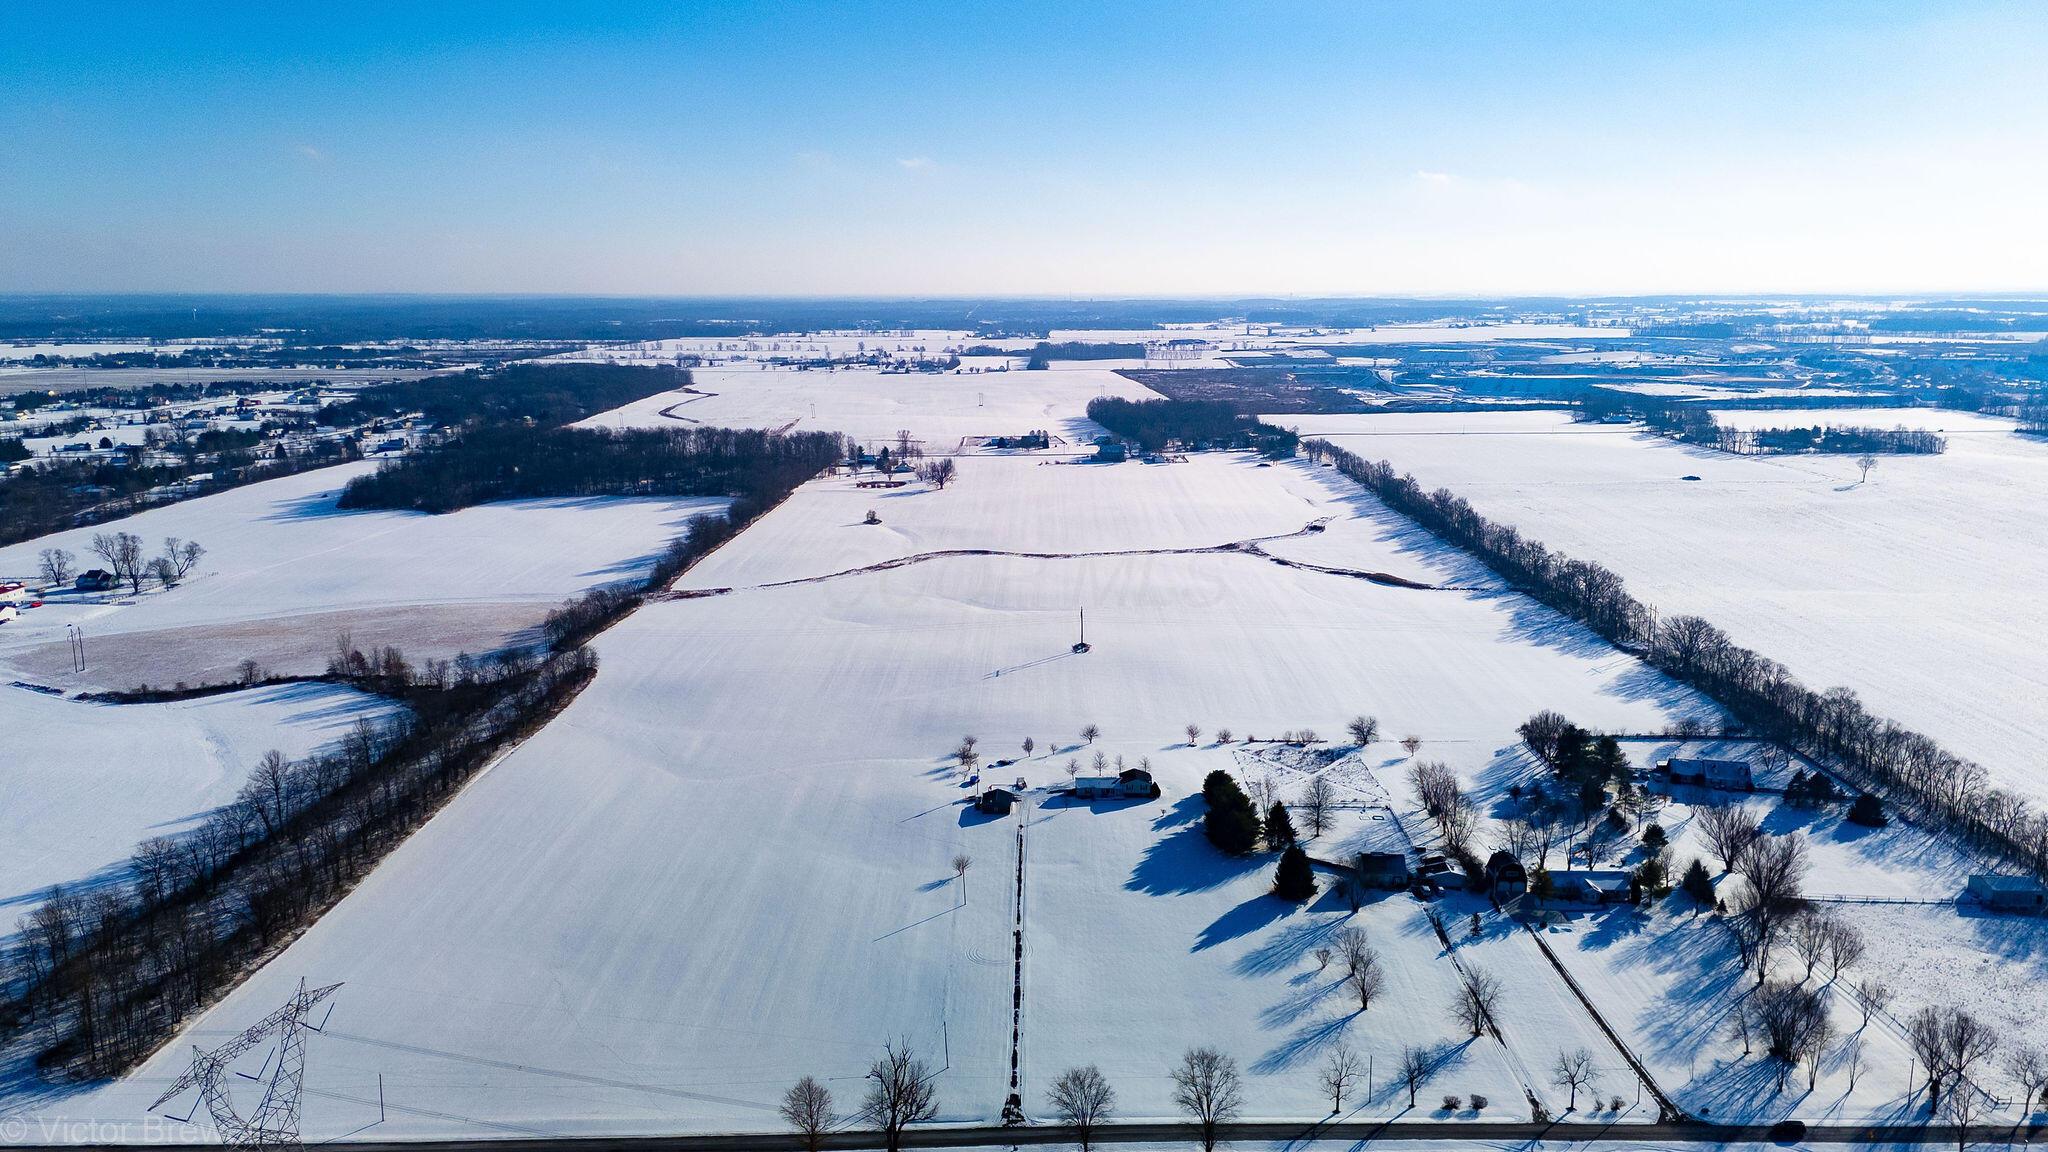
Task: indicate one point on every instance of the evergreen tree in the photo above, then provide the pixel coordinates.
(1294, 880)
(1868, 811)
(1219, 783)
(1698, 884)
(1654, 837)
(1233, 827)
(1279, 829)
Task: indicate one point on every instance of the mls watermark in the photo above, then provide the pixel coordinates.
(65, 1130)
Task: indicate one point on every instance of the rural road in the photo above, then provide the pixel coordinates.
(1156, 1133)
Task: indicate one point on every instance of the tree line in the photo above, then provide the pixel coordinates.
(1941, 788)
(1691, 423)
(547, 394)
(100, 976)
(1198, 424)
(508, 461)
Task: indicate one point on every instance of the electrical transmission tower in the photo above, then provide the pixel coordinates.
(275, 1124)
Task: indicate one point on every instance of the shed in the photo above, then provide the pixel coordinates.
(1727, 775)
(1505, 876)
(1384, 870)
(996, 801)
(2009, 893)
(96, 580)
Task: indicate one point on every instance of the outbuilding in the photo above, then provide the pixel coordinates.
(996, 801)
(1384, 870)
(96, 580)
(2009, 893)
(1505, 876)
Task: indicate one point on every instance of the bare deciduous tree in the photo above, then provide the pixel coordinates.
(1729, 831)
(1573, 1071)
(1083, 1098)
(1316, 803)
(56, 565)
(123, 553)
(961, 863)
(900, 1094)
(1412, 743)
(1194, 732)
(1364, 730)
(807, 1107)
(1774, 867)
(1029, 744)
(1477, 999)
(1340, 1072)
(1089, 732)
(1864, 464)
(1365, 976)
(1207, 1087)
(1874, 995)
(1413, 1070)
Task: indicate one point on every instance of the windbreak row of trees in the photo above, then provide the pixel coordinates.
(1941, 788)
(507, 461)
(547, 394)
(1691, 423)
(100, 976)
(1194, 423)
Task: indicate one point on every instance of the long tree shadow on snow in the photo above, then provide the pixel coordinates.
(1185, 862)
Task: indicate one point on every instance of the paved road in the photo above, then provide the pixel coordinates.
(1138, 1133)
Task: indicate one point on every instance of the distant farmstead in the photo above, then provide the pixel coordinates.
(1726, 775)
(96, 580)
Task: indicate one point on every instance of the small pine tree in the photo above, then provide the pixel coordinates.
(1295, 880)
(1279, 829)
(1697, 883)
(1654, 837)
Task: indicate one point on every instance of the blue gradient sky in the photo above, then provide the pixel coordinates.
(1095, 148)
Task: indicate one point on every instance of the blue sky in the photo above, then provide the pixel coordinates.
(1096, 148)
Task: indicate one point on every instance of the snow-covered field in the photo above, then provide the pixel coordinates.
(81, 784)
(727, 863)
(285, 572)
(940, 409)
(1916, 588)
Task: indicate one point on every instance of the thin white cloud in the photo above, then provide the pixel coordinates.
(918, 163)
(308, 152)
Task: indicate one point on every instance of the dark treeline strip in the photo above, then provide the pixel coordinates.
(1845, 440)
(549, 395)
(1195, 424)
(1942, 789)
(99, 977)
(506, 461)
(1042, 352)
(1692, 423)
(55, 495)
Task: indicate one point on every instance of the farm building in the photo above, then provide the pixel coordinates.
(1130, 783)
(1727, 775)
(96, 580)
(1384, 870)
(2009, 893)
(996, 801)
(1594, 886)
(1505, 876)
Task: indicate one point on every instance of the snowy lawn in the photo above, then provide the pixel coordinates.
(1916, 588)
(81, 784)
(1667, 980)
